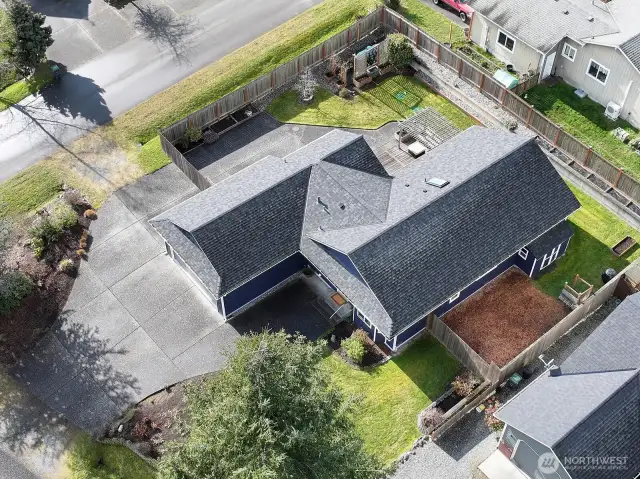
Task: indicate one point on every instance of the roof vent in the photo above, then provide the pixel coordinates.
(343, 206)
(407, 185)
(555, 371)
(437, 182)
(591, 19)
(566, 12)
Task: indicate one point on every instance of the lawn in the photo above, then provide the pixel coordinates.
(29, 189)
(393, 394)
(585, 120)
(431, 21)
(23, 88)
(596, 230)
(88, 459)
(394, 98)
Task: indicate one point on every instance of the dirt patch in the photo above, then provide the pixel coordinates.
(21, 329)
(505, 317)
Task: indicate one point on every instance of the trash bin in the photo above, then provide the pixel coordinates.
(608, 275)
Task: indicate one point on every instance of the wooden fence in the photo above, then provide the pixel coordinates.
(511, 101)
(275, 79)
(181, 162)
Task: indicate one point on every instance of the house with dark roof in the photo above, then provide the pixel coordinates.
(593, 45)
(582, 420)
(397, 248)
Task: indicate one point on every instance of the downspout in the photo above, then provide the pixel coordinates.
(224, 312)
(626, 95)
(473, 15)
(541, 65)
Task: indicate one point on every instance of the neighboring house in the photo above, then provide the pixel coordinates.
(582, 418)
(397, 248)
(592, 45)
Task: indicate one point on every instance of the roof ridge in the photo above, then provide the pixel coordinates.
(454, 188)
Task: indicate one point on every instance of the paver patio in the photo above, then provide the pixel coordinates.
(134, 323)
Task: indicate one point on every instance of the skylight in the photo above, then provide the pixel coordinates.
(437, 182)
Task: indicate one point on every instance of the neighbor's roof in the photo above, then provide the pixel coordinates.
(543, 23)
(593, 407)
(631, 48)
(400, 232)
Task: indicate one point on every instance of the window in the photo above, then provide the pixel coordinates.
(363, 318)
(523, 253)
(505, 41)
(598, 72)
(569, 52)
(454, 297)
(550, 258)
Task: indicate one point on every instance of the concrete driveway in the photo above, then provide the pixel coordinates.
(134, 322)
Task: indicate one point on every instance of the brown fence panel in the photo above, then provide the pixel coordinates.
(603, 168)
(526, 85)
(629, 187)
(181, 162)
(461, 350)
(471, 74)
(492, 88)
(545, 127)
(517, 107)
(571, 146)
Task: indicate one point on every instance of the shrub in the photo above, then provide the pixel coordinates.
(306, 85)
(635, 143)
(49, 226)
(400, 50)
(193, 134)
(464, 384)
(429, 418)
(91, 214)
(344, 93)
(37, 246)
(354, 346)
(14, 287)
(81, 252)
(210, 136)
(66, 266)
(489, 419)
(510, 124)
(74, 197)
(393, 4)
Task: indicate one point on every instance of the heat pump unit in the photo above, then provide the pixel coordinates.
(612, 111)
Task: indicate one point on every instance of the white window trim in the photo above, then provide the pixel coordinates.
(523, 253)
(600, 66)
(363, 318)
(550, 258)
(571, 47)
(454, 297)
(503, 46)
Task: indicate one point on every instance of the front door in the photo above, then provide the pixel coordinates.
(548, 65)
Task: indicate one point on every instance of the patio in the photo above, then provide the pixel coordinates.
(505, 317)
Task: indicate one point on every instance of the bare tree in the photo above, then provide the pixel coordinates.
(306, 85)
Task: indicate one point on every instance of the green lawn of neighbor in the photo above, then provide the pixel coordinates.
(29, 189)
(88, 459)
(23, 88)
(393, 394)
(431, 21)
(370, 109)
(596, 230)
(584, 119)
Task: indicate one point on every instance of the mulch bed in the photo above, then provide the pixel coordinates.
(26, 325)
(505, 317)
(374, 353)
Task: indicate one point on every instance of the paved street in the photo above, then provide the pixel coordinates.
(119, 57)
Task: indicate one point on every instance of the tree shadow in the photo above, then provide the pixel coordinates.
(53, 8)
(67, 378)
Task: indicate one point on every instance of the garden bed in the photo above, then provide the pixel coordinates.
(24, 326)
(374, 353)
(624, 246)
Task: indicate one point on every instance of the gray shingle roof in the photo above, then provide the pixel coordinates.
(593, 407)
(552, 238)
(542, 24)
(358, 156)
(631, 49)
(453, 240)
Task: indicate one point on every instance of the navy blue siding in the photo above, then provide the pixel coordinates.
(219, 306)
(525, 264)
(476, 285)
(263, 282)
(380, 338)
(537, 272)
(410, 332)
(344, 260)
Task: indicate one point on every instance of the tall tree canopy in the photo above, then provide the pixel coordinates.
(27, 48)
(270, 414)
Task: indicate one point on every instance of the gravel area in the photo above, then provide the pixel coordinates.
(460, 450)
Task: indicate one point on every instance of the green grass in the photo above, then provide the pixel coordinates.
(596, 230)
(29, 189)
(151, 156)
(431, 21)
(394, 393)
(584, 119)
(89, 459)
(371, 109)
(23, 88)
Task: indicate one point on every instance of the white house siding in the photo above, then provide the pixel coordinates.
(622, 73)
(523, 58)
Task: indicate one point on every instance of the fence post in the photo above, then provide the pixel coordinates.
(382, 10)
(438, 53)
(399, 24)
(358, 32)
(349, 36)
(504, 94)
(298, 62)
(459, 67)
(620, 171)
(588, 156)
(482, 78)
(245, 95)
(529, 115)
(323, 56)
(557, 138)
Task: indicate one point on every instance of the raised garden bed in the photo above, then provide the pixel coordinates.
(598, 182)
(624, 246)
(362, 81)
(618, 197)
